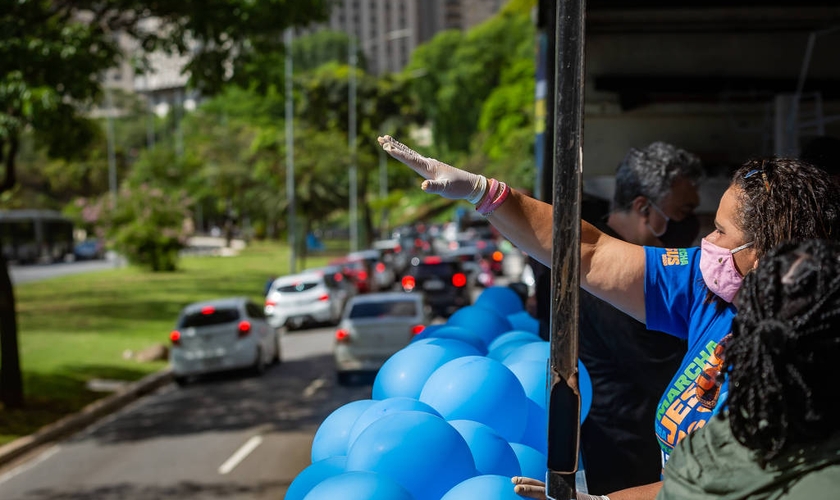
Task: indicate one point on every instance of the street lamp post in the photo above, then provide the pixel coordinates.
(109, 133)
(290, 151)
(351, 133)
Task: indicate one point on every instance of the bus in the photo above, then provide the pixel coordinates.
(35, 236)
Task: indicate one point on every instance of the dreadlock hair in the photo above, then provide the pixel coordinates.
(784, 350)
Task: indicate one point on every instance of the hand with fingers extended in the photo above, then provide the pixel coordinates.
(534, 488)
(442, 179)
(529, 488)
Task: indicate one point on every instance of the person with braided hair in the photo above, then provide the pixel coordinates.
(778, 433)
(689, 293)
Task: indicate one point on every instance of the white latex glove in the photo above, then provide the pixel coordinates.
(442, 179)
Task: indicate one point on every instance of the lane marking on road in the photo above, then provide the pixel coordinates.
(240, 455)
(313, 387)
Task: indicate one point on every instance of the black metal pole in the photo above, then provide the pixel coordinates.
(564, 396)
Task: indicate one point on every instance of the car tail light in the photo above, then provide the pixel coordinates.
(208, 310)
(380, 267)
(408, 283)
(432, 260)
(270, 303)
(497, 256)
(362, 275)
(338, 276)
(324, 298)
(244, 328)
(342, 335)
(459, 279)
(175, 337)
(417, 329)
(397, 249)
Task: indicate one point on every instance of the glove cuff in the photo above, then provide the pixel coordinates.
(478, 191)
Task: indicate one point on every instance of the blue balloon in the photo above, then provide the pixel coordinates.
(533, 375)
(481, 389)
(509, 342)
(418, 450)
(539, 351)
(585, 385)
(385, 407)
(359, 485)
(524, 321)
(313, 475)
(536, 430)
(501, 299)
(457, 346)
(485, 323)
(333, 435)
(483, 487)
(407, 370)
(461, 334)
(513, 336)
(533, 463)
(492, 454)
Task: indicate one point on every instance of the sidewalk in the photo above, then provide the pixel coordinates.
(86, 416)
(211, 245)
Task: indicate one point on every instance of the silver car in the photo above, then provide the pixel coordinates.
(220, 335)
(373, 328)
(310, 297)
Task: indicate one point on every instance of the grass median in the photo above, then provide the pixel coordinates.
(72, 329)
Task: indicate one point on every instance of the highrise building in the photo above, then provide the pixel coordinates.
(389, 30)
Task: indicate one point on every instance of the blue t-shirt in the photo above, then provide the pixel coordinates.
(676, 302)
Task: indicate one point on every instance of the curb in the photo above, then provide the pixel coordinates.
(83, 418)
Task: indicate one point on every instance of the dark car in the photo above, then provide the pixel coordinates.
(442, 280)
(89, 250)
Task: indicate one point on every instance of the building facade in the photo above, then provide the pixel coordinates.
(389, 30)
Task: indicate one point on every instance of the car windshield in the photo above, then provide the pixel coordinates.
(209, 316)
(379, 309)
(297, 287)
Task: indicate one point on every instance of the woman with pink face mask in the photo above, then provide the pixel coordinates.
(689, 293)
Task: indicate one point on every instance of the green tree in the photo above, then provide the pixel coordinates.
(53, 54)
(461, 71)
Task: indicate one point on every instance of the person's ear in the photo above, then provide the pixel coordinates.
(641, 205)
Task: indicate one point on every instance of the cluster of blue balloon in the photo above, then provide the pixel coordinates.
(452, 416)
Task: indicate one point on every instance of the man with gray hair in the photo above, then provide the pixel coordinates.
(653, 204)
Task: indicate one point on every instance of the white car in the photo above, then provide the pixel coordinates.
(311, 297)
(220, 335)
(374, 327)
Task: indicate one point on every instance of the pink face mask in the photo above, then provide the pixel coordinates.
(717, 265)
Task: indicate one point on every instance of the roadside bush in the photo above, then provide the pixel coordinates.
(145, 224)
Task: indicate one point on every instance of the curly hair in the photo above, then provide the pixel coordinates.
(786, 199)
(785, 346)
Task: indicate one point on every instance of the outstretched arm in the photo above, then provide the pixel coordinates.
(610, 268)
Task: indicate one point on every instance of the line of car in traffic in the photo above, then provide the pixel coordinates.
(378, 298)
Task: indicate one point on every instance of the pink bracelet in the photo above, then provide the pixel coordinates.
(489, 196)
(499, 197)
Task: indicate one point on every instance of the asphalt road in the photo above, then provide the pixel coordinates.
(232, 437)
(37, 272)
